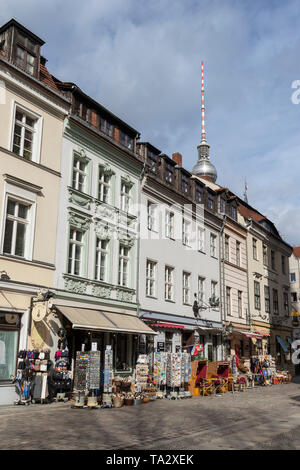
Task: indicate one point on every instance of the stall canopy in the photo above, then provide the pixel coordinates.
(250, 334)
(88, 319)
(282, 344)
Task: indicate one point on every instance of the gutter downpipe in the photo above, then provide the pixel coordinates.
(222, 277)
(248, 227)
(141, 178)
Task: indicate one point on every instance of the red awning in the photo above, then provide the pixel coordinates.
(252, 335)
(263, 333)
(168, 325)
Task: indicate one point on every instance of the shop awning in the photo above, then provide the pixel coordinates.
(282, 344)
(250, 334)
(207, 329)
(88, 319)
(263, 333)
(168, 325)
(289, 340)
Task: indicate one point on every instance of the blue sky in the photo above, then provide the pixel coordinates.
(142, 60)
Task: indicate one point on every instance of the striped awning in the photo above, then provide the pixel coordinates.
(263, 333)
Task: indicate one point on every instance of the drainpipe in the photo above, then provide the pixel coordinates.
(222, 276)
(248, 227)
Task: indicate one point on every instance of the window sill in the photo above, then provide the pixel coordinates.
(20, 259)
(171, 301)
(151, 297)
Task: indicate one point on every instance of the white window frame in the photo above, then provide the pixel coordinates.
(102, 184)
(125, 196)
(186, 288)
(228, 301)
(72, 241)
(201, 239)
(152, 216)
(169, 283)
(151, 268)
(101, 254)
(123, 272)
(213, 289)
(28, 198)
(257, 297)
(213, 246)
(77, 171)
(240, 303)
(169, 224)
(36, 146)
(186, 232)
(201, 290)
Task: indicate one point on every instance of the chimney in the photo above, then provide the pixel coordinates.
(177, 157)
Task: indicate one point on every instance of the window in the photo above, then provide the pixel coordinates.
(275, 301)
(25, 54)
(169, 172)
(169, 283)
(240, 304)
(273, 265)
(104, 186)
(151, 215)
(210, 201)
(150, 278)
(24, 134)
(294, 296)
(201, 289)
(201, 239)
(186, 232)
(254, 246)
(238, 253)
(293, 277)
(106, 127)
(256, 295)
(186, 277)
(169, 224)
(126, 140)
(199, 193)
(123, 266)
(222, 206)
(213, 245)
(267, 299)
(152, 161)
(79, 174)
(75, 252)
(214, 286)
(283, 264)
(228, 300)
(185, 183)
(16, 228)
(285, 302)
(265, 255)
(233, 212)
(226, 248)
(9, 335)
(125, 196)
(101, 259)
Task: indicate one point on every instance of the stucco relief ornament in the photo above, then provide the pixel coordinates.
(125, 239)
(75, 286)
(105, 211)
(259, 315)
(124, 295)
(127, 180)
(101, 291)
(107, 170)
(83, 156)
(104, 232)
(79, 221)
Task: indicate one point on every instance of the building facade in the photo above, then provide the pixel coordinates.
(179, 257)
(32, 116)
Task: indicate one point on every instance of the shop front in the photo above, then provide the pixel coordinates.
(178, 334)
(14, 308)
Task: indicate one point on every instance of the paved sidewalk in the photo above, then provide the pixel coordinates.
(262, 418)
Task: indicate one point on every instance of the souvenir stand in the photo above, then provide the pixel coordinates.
(173, 374)
(160, 372)
(142, 372)
(185, 374)
(60, 377)
(93, 378)
(108, 378)
(81, 376)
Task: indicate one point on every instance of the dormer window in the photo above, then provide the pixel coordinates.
(169, 173)
(233, 212)
(26, 54)
(125, 140)
(185, 183)
(222, 206)
(106, 127)
(152, 161)
(210, 201)
(199, 193)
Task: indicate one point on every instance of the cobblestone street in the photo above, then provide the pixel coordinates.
(262, 418)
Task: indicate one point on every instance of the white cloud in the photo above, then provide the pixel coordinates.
(142, 60)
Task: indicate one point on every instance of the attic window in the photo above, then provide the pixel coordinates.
(26, 54)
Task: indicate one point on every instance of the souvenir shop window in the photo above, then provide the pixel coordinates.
(123, 348)
(259, 346)
(9, 339)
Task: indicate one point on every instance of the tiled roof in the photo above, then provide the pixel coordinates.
(296, 251)
(249, 213)
(47, 79)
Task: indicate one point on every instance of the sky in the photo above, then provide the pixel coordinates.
(142, 60)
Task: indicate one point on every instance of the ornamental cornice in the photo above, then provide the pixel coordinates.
(79, 221)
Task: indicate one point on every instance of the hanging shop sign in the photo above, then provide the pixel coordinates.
(160, 346)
